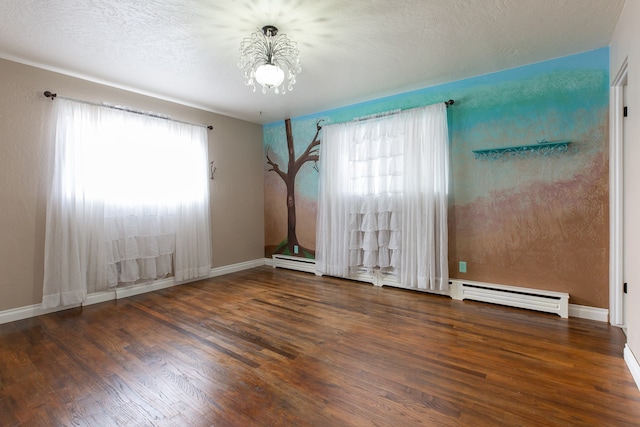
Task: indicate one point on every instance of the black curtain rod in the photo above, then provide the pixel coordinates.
(53, 96)
(394, 112)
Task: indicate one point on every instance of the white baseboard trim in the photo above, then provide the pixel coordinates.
(14, 314)
(455, 289)
(632, 363)
(169, 282)
(144, 288)
(590, 313)
(233, 268)
(28, 311)
(34, 310)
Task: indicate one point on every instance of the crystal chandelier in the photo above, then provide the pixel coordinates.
(267, 58)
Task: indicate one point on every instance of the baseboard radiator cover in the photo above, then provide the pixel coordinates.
(294, 263)
(513, 296)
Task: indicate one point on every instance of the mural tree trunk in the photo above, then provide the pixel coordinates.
(293, 167)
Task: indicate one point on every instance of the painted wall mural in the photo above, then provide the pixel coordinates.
(291, 245)
(532, 221)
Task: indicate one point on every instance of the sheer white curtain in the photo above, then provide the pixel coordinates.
(128, 202)
(383, 197)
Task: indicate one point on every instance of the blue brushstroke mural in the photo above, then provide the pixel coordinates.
(535, 221)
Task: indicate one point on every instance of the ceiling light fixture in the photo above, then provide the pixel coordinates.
(267, 58)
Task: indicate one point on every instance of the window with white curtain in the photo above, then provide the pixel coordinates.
(128, 202)
(383, 198)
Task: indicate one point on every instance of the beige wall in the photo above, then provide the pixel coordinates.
(626, 44)
(237, 195)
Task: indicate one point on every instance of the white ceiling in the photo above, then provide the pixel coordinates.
(351, 50)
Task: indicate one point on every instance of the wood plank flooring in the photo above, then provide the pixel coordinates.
(267, 347)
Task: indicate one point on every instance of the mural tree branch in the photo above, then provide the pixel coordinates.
(289, 177)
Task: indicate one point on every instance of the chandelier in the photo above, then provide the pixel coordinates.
(267, 58)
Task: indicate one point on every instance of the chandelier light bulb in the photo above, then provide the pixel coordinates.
(269, 75)
(267, 58)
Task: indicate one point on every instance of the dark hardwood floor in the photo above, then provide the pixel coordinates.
(268, 347)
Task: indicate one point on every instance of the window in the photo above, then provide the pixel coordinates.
(129, 201)
(383, 197)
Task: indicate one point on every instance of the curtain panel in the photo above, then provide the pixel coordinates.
(383, 198)
(128, 202)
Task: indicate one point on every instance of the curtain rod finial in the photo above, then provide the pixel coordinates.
(50, 95)
(210, 127)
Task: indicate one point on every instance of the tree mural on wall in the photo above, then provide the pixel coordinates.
(289, 177)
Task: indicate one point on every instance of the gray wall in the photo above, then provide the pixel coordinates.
(625, 44)
(237, 193)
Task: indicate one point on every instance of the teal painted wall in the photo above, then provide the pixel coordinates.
(535, 222)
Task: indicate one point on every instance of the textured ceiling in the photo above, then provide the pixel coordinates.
(351, 51)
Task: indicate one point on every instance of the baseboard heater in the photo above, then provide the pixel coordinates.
(294, 263)
(532, 299)
(513, 296)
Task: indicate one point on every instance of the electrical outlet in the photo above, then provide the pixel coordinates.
(462, 266)
(295, 249)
